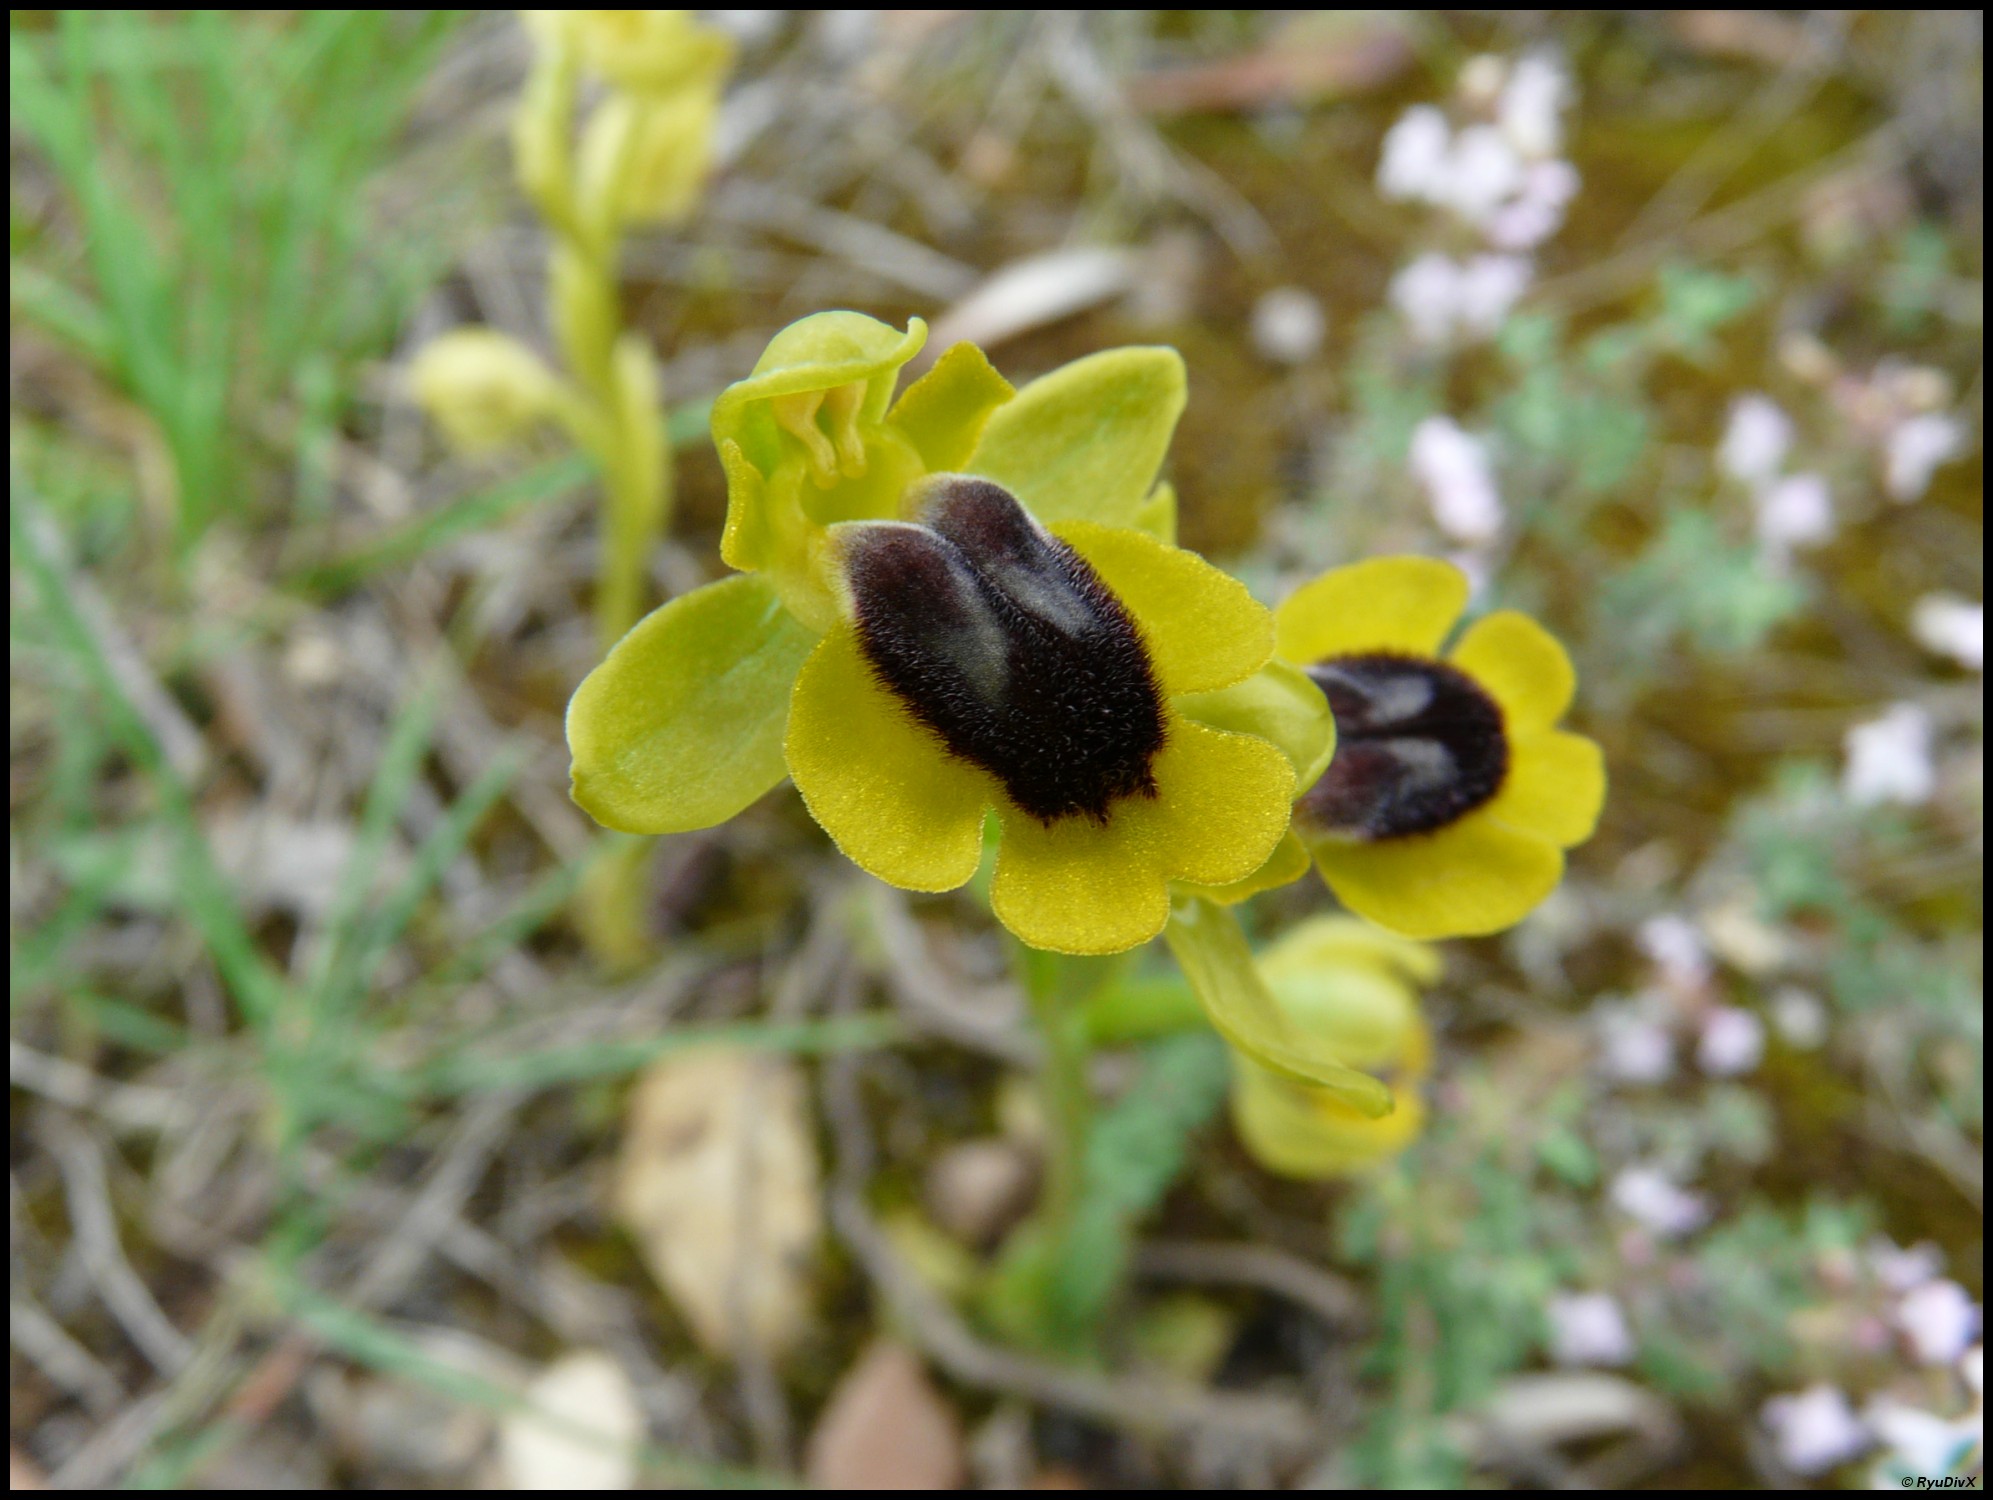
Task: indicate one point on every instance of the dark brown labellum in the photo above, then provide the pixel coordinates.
(1419, 744)
(1002, 640)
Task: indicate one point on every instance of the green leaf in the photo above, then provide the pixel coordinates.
(943, 413)
(681, 726)
(1212, 951)
(1279, 703)
(1085, 442)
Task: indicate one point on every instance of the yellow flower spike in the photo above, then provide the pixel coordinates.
(1452, 796)
(1350, 987)
(643, 51)
(644, 157)
(985, 663)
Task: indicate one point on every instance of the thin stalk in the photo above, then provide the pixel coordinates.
(1062, 1081)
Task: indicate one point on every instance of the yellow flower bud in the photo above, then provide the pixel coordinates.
(483, 388)
(1352, 988)
(644, 156)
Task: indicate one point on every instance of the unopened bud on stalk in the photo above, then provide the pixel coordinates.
(485, 390)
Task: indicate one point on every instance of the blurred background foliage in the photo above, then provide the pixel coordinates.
(318, 1098)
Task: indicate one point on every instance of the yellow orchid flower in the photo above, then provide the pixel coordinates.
(990, 664)
(955, 604)
(1452, 795)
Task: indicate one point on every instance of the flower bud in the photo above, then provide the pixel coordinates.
(644, 157)
(482, 388)
(1351, 988)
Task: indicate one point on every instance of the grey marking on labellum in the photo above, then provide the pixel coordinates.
(1419, 744)
(1004, 641)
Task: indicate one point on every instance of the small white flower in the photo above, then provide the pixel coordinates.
(1426, 293)
(1453, 467)
(1537, 212)
(1588, 1328)
(1415, 160)
(1732, 1042)
(1952, 627)
(1921, 1442)
(1916, 448)
(1904, 1270)
(1482, 172)
(1800, 1017)
(1288, 326)
(1674, 945)
(1889, 759)
(1443, 299)
(1633, 1046)
(1755, 441)
(1940, 1320)
(1652, 1197)
(1795, 511)
(1488, 289)
(1530, 111)
(1816, 1430)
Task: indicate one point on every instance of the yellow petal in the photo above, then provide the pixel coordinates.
(1555, 787)
(1279, 703)
(1220, 808)
(944, 412)
(1076, 887)
(1287, 864)
(1402, 604)
(1522, 667)
(1472, 877)
(1203, 628)
(882, 784)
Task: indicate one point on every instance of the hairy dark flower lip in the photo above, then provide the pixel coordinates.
(1004, 641)
(1419, 745)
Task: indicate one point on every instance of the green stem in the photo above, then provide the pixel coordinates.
(1064, 1092)
(638, 501)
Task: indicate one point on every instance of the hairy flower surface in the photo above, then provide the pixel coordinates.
(1452, 795)
(992, 665)
(1353, 990)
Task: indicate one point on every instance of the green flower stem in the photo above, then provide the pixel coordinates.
(636, 482)
(1063, 1088)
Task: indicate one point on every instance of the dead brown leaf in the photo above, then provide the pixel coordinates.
(885, 1427)
(720, 1184)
